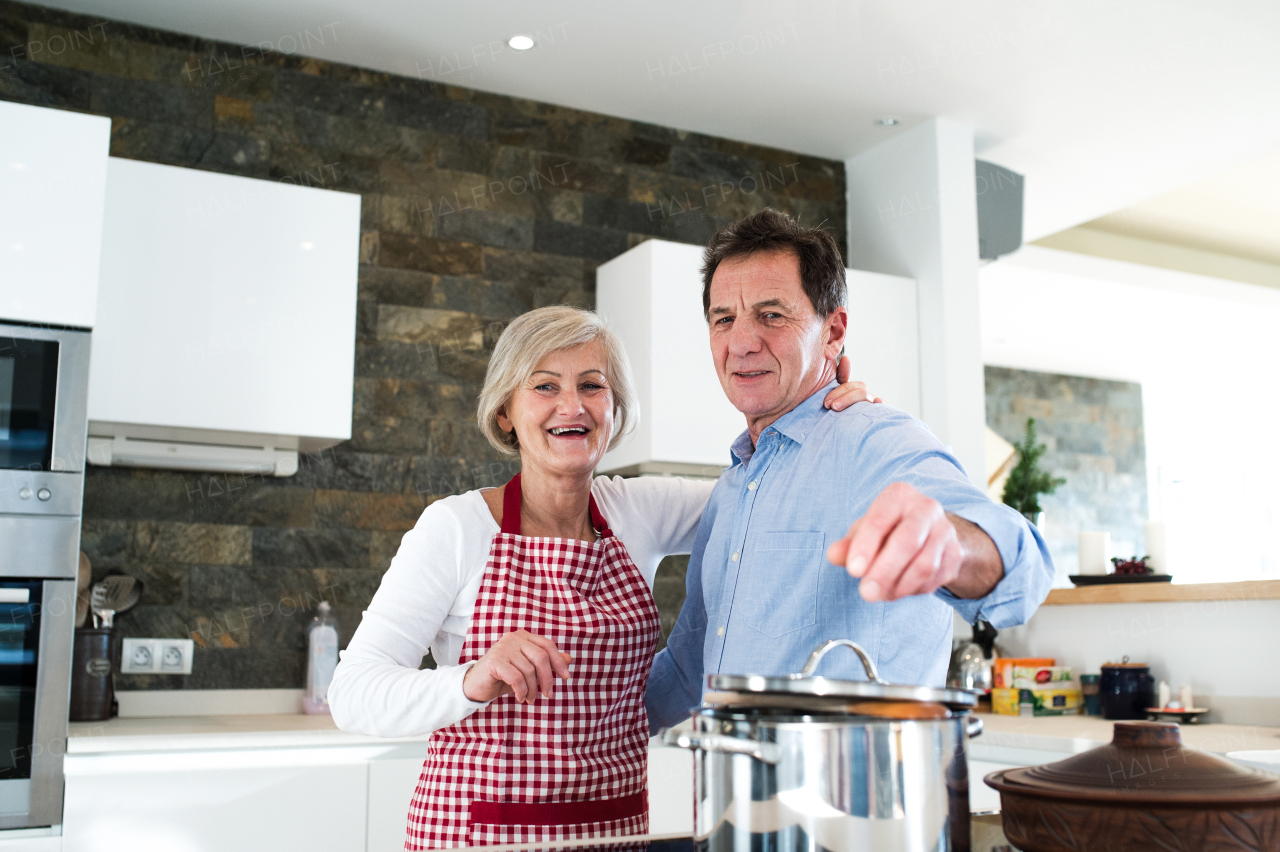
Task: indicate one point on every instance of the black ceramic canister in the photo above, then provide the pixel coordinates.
(1127, 690)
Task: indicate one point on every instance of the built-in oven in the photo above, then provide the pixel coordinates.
(44, 378)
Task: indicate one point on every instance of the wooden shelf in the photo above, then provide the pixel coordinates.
(1243, 590)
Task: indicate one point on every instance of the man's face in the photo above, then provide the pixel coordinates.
(771, 349)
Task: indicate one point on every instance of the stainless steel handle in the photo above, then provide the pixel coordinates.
(973, 727)
(764, 752)
(811, 665)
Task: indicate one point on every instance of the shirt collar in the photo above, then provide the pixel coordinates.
(795, 424)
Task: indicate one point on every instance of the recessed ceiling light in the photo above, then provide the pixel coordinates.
(888, 120)
(308, 246)
(520, 42)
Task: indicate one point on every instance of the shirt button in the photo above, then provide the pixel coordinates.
(734, 557)
(751, 487)
(720, 630)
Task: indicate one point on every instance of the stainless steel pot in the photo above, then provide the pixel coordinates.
(816, 776)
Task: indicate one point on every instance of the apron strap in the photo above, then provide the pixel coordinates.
(511, 499)
(511, 507)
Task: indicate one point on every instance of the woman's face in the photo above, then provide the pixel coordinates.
(563, 412)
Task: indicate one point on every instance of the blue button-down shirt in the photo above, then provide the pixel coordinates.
(760, 591)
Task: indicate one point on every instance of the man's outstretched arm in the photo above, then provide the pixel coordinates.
(906, 544)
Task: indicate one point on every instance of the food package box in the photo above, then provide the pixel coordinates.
(1047, 702)
(1002, 668)
(1043, 677)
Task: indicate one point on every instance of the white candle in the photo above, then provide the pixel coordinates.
(1159, 561)
(1184, 695)
(1095, 552)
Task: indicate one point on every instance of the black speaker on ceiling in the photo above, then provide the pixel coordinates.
(999, 193)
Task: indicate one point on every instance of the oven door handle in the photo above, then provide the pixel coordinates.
(763, 752)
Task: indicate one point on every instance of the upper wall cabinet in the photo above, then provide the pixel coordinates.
(53, 172)
(652, 297)
(226, 316)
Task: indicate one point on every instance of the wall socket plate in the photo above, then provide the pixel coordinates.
(156, 656)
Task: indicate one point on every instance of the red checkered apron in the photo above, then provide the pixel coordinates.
(571, 766)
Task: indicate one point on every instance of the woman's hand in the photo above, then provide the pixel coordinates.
(518, 663)
(847, 392)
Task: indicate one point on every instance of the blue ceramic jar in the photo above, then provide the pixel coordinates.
(1126, 690)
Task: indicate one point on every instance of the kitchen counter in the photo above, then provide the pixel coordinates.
(1072, 734)
(200, 733)
(1059, 734)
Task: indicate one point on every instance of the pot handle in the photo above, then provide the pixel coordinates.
(973, 727)
(811, 665)
(764, 752)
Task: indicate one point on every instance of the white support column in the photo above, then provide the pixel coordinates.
(912, 211)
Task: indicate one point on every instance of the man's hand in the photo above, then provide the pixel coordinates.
(907, 545)
(519, 663)
(847, 393)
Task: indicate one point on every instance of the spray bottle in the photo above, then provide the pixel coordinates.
(322, 659)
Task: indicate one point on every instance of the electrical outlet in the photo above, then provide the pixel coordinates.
(156, 656)
(173, 656)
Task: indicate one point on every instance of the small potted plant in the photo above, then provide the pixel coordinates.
(1027, 481)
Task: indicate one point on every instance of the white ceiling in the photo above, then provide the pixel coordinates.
(1235, 212)
(1101, 104)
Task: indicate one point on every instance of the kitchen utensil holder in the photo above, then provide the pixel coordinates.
(92, 683)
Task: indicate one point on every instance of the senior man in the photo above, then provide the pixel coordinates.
(762, 589)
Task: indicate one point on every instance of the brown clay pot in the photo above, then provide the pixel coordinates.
(1144, 792)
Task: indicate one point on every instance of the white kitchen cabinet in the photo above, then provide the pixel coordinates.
(652, 296)
(340, 798)
(255, 800)
(226, 312)
(670, 790)
(53, 172)
(393, 777)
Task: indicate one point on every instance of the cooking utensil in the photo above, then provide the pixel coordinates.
(115, 594)
(874, 688)
(83, 575)
(814, 704)
(969, 669)
(801, 761)
(1143, 791)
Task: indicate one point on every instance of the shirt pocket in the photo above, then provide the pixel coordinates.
(781, 592)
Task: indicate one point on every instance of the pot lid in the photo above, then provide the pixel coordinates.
(1145, 762)
(873, 688)
(1125, 664)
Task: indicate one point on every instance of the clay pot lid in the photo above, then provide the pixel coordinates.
(1145, 762)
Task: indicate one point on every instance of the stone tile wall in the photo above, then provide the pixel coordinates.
(1093, 431)
(476, 207)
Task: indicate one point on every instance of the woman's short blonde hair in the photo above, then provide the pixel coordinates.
(534, 336)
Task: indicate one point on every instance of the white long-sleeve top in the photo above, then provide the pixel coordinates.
(427, 597)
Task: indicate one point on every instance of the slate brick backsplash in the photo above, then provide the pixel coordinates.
(476, 208)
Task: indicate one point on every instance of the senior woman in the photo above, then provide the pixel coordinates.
(544, 579)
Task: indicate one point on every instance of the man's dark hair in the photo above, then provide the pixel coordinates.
(821, 267)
